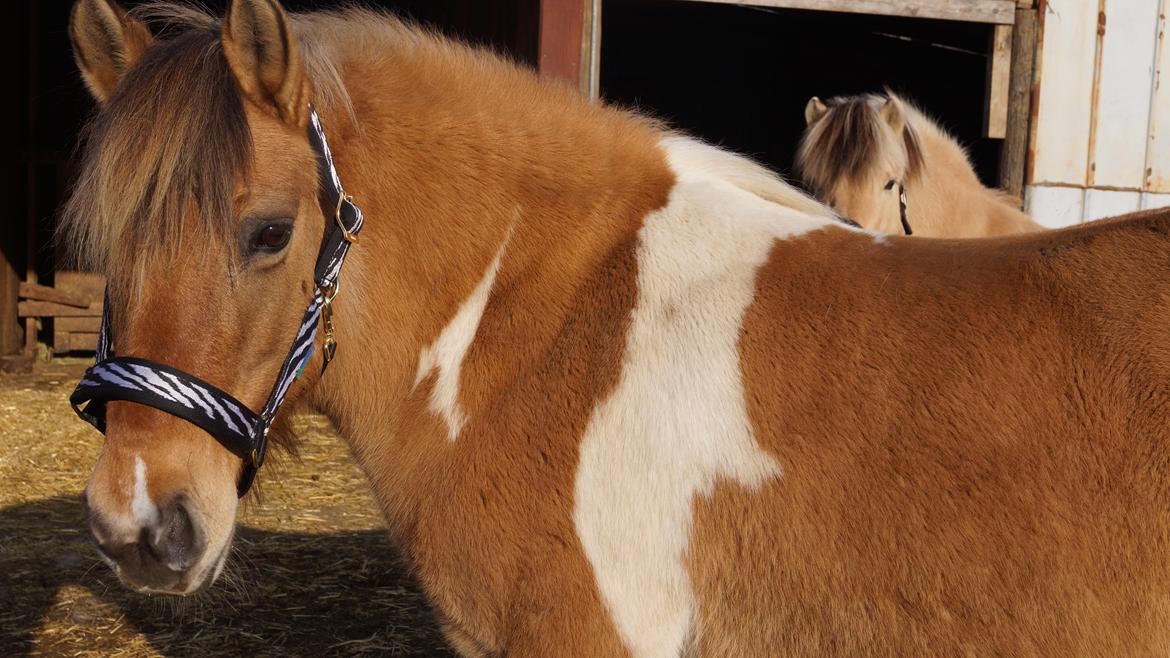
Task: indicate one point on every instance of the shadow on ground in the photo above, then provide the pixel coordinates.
(287, 594)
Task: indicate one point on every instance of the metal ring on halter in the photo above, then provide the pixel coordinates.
(342, 198)
(328, 293)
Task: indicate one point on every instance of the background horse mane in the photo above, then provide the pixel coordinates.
(853, 138)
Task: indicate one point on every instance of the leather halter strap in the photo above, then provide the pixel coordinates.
(238, 428)
(902, 209)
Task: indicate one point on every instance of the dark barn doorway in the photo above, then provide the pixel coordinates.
(740, 76)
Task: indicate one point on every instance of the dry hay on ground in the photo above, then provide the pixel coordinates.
(312, 574)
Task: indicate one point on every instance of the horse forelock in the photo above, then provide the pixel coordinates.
(850, 140)
(171, 143)
(161, 161)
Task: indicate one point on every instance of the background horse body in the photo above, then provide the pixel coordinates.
(859, 152)
(617, 391)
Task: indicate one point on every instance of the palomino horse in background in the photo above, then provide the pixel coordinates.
(867, 155)
(613, 401)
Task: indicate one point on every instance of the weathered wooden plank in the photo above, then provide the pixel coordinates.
(1054, 207)
(1127, 31)
(1100, 204)
(1014, 154)
(64, 341)
(999, 67)
(974, 11)
(1157, 179)
(1064, 69)
(35, 291)
(86, 324)
(83, 342)
(54, 310)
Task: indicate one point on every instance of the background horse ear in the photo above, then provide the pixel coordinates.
(814, 111)
(894, 114)
(106, 43)
(265, 57)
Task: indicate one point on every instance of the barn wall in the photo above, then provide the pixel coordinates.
(1101, 136)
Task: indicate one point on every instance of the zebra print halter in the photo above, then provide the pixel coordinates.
(240, 430)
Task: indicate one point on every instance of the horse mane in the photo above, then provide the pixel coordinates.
(851, 139)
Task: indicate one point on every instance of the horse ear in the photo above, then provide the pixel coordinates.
(893, 114)
(814, 111)
(265, 56)
(106, 43)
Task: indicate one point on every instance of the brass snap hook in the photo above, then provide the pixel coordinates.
(328, 293)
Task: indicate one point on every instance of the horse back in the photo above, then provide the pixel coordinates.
(970, 437)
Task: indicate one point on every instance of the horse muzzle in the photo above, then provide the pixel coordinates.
(163, 552)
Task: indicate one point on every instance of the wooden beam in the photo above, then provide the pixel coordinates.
(972, 11)
(570, 37)
(999, 68)
(37, 292)
(1014, 154)
(64, 341)
(54, 310)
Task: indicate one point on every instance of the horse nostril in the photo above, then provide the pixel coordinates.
(177, 540)
(99, 531)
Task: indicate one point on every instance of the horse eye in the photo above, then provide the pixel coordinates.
(890, 184)
(272, 237)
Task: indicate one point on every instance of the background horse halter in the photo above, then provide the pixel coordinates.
(229, 421)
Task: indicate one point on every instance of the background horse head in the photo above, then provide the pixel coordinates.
(858, 154)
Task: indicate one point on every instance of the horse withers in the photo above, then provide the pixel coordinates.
(618, 392)
(882, 162)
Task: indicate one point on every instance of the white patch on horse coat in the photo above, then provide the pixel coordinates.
(144, 509)
(677, 423)
(448, 350)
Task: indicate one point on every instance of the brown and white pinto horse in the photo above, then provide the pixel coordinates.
(620, 392)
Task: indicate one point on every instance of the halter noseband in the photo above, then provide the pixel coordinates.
(238, 428)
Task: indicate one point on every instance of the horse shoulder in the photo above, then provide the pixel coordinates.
(676, 421)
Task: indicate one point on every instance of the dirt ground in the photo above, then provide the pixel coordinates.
(312, 573)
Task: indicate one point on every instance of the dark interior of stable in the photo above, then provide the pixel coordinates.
(735, 75)
(740, 76)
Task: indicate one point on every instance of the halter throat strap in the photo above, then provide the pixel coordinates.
(902, 209)
(238, 428)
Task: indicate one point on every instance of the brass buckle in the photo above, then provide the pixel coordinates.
(328, 293)
(342, 198)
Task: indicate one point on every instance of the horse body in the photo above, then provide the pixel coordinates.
(855, 146)
(620, 394)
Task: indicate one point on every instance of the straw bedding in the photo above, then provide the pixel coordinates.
(312, 573)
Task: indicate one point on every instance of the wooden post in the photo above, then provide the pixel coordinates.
(10, 242)
(570, 36)
(1014, 155)
(998, 76)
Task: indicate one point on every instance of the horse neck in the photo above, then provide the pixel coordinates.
(947, 198)
(486, 192)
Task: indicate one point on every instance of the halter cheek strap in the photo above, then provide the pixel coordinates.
(238, 428)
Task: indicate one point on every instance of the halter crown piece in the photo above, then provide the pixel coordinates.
(240, 430)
